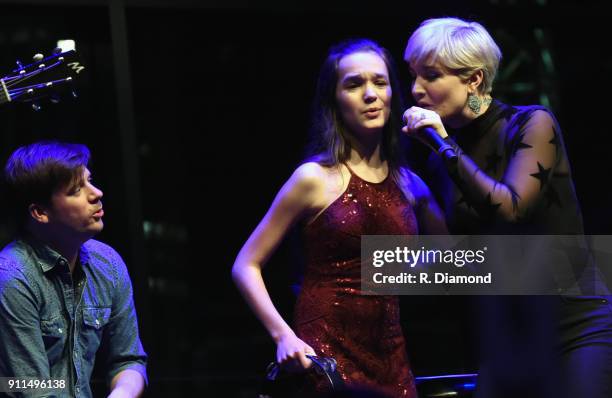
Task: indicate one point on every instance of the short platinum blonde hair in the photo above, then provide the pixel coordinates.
(463, 47)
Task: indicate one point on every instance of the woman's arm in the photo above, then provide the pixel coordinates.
(294, 201)
(533, 156)
(532, 159)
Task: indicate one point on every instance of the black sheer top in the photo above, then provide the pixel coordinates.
(512, 175)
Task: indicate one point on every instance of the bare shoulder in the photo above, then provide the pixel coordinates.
(313, 176)
(304, 186)
(318, 185)
(310, 171)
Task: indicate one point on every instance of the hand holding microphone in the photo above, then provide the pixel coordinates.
(426, 126)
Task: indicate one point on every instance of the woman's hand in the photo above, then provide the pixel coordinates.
(416, 118)
(291, 353)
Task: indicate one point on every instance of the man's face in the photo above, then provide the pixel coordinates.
(76, 210)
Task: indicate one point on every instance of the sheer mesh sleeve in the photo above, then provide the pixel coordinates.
(532, 148)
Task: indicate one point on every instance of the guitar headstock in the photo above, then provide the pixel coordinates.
(42, 78)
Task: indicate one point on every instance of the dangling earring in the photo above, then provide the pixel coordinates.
(474, 103)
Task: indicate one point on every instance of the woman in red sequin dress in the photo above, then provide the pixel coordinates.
(354, 184)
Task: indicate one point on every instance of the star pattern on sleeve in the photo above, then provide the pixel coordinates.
(520, 145)
(555, 139)
(541, 175)
(489, 208)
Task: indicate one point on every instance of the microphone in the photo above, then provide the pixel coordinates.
(429, 136)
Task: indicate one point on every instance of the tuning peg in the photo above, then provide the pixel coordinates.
(19, 64)
(57, 50)
(74, 94)
(55, 99)
(36, 106)
(38, 57)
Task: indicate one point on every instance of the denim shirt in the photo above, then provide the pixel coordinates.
(52, 322)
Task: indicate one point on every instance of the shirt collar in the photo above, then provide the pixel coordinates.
(47, 258)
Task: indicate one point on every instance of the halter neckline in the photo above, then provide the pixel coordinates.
(364, 180)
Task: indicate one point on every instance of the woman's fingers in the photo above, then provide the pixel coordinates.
(294, 357)
(416, 118)
(291, 353)
(304, 361)
(309, 350)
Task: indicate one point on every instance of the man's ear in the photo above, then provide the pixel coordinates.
(38, 213)
(475, 80)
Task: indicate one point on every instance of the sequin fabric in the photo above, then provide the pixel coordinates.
(362, 333)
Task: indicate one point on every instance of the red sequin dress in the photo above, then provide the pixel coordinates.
(362, 333)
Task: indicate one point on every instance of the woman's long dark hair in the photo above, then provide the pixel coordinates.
(329, 145)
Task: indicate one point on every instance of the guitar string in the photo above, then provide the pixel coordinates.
(14, 80)
(39, 85)
(32, 74)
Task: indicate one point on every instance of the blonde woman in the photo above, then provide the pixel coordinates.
(512, 177)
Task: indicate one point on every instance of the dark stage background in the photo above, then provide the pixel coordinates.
(196, 112)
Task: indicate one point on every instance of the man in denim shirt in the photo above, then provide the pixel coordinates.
(63, 296)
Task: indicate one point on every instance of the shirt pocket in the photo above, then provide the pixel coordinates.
(54, 336)
(94, 321)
